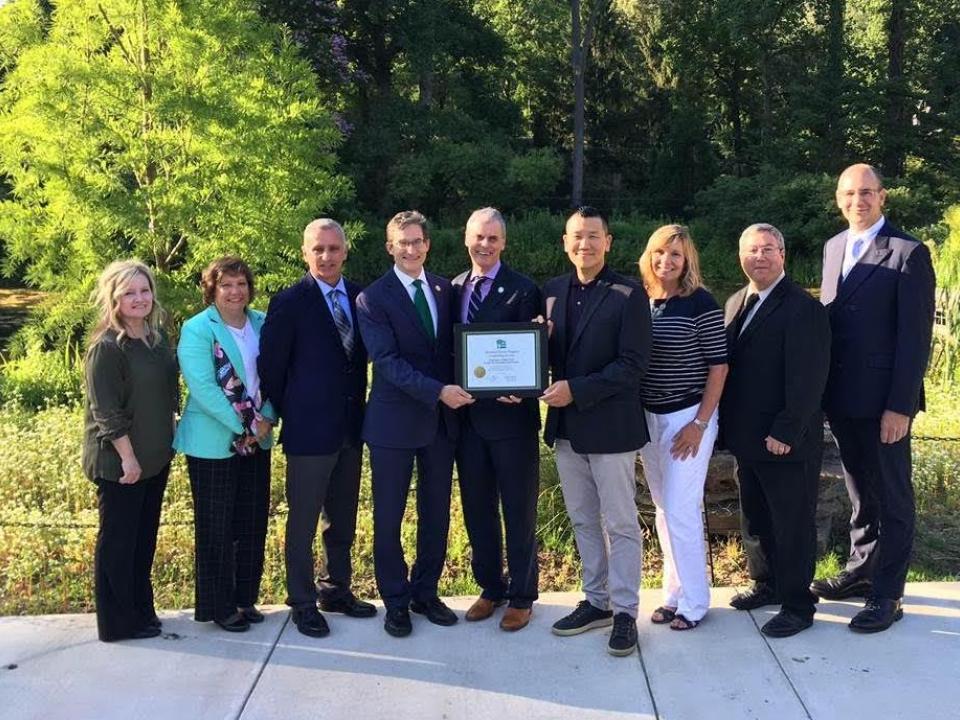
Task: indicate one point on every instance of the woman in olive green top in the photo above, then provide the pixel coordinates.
(131, 381)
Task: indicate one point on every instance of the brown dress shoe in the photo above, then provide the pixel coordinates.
(515, 619)
(482, 609)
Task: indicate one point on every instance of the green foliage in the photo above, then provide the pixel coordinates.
(41, 378)
(172, 131)
(946, 354)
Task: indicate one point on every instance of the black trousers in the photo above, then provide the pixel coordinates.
(231, 499)
(123, 558)
(392, 470)
(878, 478)
(327, 485)
(779, 501)
(491, 473)
(758, 568)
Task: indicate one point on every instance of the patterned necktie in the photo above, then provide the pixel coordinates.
(475, 297)
(342, 322)
(752, 299)
(423, 309)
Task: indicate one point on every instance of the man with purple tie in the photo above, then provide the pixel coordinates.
(498, 452)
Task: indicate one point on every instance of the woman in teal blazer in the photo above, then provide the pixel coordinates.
(226, 433)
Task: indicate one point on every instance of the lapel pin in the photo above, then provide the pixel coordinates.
(500, 289)
(437, 288)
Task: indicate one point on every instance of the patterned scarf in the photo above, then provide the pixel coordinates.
(243, 405)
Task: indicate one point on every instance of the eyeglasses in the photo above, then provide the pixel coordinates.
(409, 244)
(863, 194)
(766, 251)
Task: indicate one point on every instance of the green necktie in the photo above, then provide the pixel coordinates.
(423, 309)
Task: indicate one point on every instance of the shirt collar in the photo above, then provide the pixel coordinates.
(407, 280)
(325, 288)
(765, 293)
(492, 274)
(870, 233)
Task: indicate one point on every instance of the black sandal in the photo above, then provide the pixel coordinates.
(666, 615)
(687, 623)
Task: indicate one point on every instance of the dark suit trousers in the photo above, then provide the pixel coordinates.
(392, 470)
(123, 558)
(878, 477)
(779, 501)
(231, 499)
(327, 485)
(492, 472)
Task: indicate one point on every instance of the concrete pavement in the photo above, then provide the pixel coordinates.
(53, 667)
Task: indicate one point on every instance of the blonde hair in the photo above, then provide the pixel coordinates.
(112, 283)
(690, 278)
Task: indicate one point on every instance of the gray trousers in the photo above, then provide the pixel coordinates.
(599, 491)
(327, 485)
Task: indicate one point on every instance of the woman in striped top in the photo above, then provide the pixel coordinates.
(681, 390)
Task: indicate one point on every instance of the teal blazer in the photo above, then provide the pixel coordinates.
(209, 423)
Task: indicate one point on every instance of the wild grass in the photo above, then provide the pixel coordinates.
(48, 522)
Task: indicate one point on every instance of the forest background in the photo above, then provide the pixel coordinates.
(179, 130)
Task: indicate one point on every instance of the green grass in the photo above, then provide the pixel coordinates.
(48, 522)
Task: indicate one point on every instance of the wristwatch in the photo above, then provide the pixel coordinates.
(700, 423)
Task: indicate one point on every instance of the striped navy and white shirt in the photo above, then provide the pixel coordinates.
(688, 337)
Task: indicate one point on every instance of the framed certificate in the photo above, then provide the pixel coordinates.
(494, 359)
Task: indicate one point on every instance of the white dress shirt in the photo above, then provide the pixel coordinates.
(868, 236)
(764, 294)
(427, 290)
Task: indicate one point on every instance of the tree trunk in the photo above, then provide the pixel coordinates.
(833, 129)
(897, 126)
(578, 60)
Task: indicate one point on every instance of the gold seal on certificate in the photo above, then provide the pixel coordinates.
(494, 359)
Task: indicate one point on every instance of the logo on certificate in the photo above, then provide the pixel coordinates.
(479, 371)
(501, 344)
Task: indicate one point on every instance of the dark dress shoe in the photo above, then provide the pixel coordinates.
(398, 622)
(843, 586)
(153, 622)
(235, 623)
(758, 596)
(310, 622)
(876, 616)
(251, 614)
(348, 605)
(435, 611)
(786, 623)
(147, 631)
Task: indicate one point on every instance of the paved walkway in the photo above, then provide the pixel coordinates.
(53, 667)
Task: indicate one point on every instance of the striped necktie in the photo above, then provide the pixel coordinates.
(342, 322)
(475, 297)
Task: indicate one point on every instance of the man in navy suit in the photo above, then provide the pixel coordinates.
(498, 453)
(406, 319)
(878, 286)
(599, 348)
(313, 366)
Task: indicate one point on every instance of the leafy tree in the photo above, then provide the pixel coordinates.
(175, 131)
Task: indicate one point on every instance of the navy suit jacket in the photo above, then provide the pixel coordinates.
(603, 358)
(317, 390)
(409, 369)
(512, 298)
(778, 369)
(881, 316)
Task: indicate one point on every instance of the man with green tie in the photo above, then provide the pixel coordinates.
(406, 321)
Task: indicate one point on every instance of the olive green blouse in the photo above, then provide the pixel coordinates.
(131, 390)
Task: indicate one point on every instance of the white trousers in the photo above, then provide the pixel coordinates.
(599, 491)
(677, 490)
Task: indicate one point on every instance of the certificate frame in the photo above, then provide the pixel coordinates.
(532, 337)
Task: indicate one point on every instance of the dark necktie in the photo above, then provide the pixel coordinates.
(342, 322)
(423, 309)
(752, 299)
(475, 298)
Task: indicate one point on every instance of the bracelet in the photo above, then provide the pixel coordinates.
(700, 423)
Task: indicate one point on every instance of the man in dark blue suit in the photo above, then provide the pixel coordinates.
(498, 453)
(313, 366)
(406, 319)
(878, 285)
